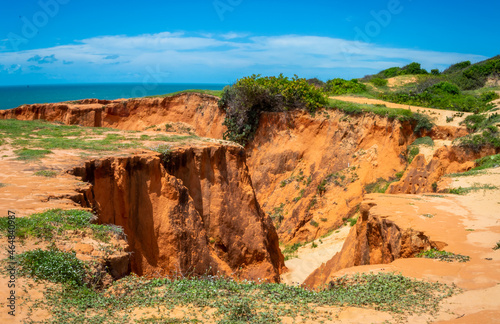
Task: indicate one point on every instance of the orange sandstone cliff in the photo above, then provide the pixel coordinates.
(191, 212)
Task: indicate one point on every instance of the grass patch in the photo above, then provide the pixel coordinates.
(379, 186)
(55, 222)
(475, 187)
(443, 256)
(46, 173)
(243, 302)
(426, 140)
(487, 162)
(26, 154)
(290, 251)
(420, 121)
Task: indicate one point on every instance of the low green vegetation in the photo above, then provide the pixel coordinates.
(290, 251)
(380, 185)
(443, 256)
(413, 149)
(239, 302)
(442, 95)
(486, 132)
(248, 97)
(490, 161)
(26, 154)
(456, 88)
(475, 187)
(55, 222)
(426, 140)
(36, 139)
(216, 93)
(379, 82)
(52, 265)
(413, 68)
(278, 215)
(420, 121)
(46, 173)
(340, 87)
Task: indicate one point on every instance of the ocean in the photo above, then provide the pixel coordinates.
(14, 96)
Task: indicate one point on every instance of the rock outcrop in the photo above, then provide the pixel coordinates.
(373, 240)
(191, 212)
(422, 174)
(200, 111)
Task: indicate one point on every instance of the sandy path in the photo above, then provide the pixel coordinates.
(309, 259)
(439, 115)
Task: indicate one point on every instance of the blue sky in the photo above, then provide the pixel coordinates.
(219, 41)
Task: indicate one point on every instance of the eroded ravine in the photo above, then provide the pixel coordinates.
(200, 209)
(193, 212)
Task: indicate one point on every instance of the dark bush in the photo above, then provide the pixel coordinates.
(316, 82)
(435, 72)
(412, 68)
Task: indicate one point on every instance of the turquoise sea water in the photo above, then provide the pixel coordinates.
(14, 96)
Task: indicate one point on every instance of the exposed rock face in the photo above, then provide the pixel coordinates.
(192, 213)
(373, 240)
(315, 168)
(421, 174)
(197, 110)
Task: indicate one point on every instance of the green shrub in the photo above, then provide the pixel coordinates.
(445, 87)
(412, 68)
(489, 96)
(435, 72)
(246, 99)
(379, 82)
(340, 86)
(422, 122)
(457, 67)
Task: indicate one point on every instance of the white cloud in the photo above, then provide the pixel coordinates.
(229, 55)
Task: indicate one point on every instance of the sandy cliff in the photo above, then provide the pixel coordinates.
(192, 212)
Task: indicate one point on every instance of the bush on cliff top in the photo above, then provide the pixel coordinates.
(248, 97)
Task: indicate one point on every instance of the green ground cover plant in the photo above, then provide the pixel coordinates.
(443, 256)
(55, 222)
(242, 302)
(475, 187)
(46, 173)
